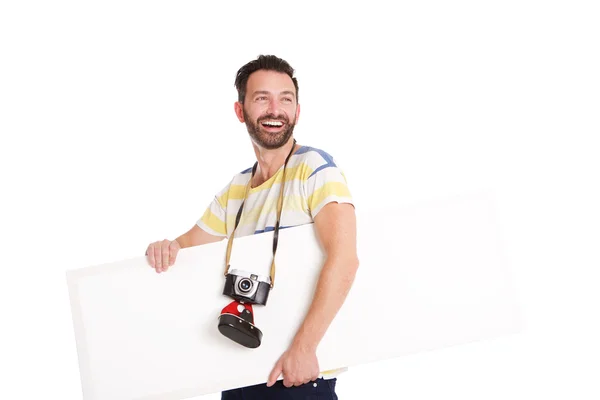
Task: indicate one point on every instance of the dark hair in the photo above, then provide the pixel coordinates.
(266, 62)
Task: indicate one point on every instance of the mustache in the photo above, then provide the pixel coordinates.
(282, 117)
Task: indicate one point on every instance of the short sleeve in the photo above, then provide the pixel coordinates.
(214, 218)
(325, 184)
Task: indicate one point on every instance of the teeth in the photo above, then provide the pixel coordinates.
(272, 123)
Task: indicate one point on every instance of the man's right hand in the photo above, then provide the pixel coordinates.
(161, 255)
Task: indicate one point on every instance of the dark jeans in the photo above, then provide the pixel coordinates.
(324, 390)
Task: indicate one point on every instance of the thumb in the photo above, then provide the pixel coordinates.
(274, 374)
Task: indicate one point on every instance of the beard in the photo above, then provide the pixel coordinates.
(266, 139)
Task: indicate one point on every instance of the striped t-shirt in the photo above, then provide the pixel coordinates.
(313, 180)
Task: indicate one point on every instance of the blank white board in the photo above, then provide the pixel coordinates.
(431, 275)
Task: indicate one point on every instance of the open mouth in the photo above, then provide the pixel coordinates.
(271, 124)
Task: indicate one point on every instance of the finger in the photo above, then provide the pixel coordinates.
(274, 374)
(157, 257)
(165, 254)
(150, 254)
(173, 249)
(287, 382)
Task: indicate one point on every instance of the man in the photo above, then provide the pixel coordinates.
(315, 191)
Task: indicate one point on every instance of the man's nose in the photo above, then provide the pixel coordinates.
(274, 107)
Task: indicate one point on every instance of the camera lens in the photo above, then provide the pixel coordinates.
(245, 285)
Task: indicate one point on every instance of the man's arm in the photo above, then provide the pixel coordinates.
(336, 229)
(197, 236)
(162, 254)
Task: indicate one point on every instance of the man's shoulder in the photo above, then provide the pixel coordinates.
(245, 172)
(236, 180)
(315, 157)
(242, 176)
(316, 160)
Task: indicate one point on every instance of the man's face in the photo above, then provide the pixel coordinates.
(270, 109)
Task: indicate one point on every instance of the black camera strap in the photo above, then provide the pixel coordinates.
(276, 228)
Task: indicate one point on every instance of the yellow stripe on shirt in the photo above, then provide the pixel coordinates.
(291, 203)
(213, 222)
(235, 192)
(329, 189)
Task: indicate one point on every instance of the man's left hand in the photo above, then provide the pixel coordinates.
(297, 365)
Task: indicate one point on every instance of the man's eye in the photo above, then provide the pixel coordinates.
(287, 100)
(261, 98)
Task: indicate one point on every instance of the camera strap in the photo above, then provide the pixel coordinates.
(276, 228)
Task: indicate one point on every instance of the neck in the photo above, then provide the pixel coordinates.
(269, 161)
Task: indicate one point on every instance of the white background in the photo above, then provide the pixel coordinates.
(118, 128)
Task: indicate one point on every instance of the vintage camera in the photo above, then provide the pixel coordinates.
(237, 319)
(247, 287)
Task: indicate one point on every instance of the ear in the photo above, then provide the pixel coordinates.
(239, 112)
(297, 112)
